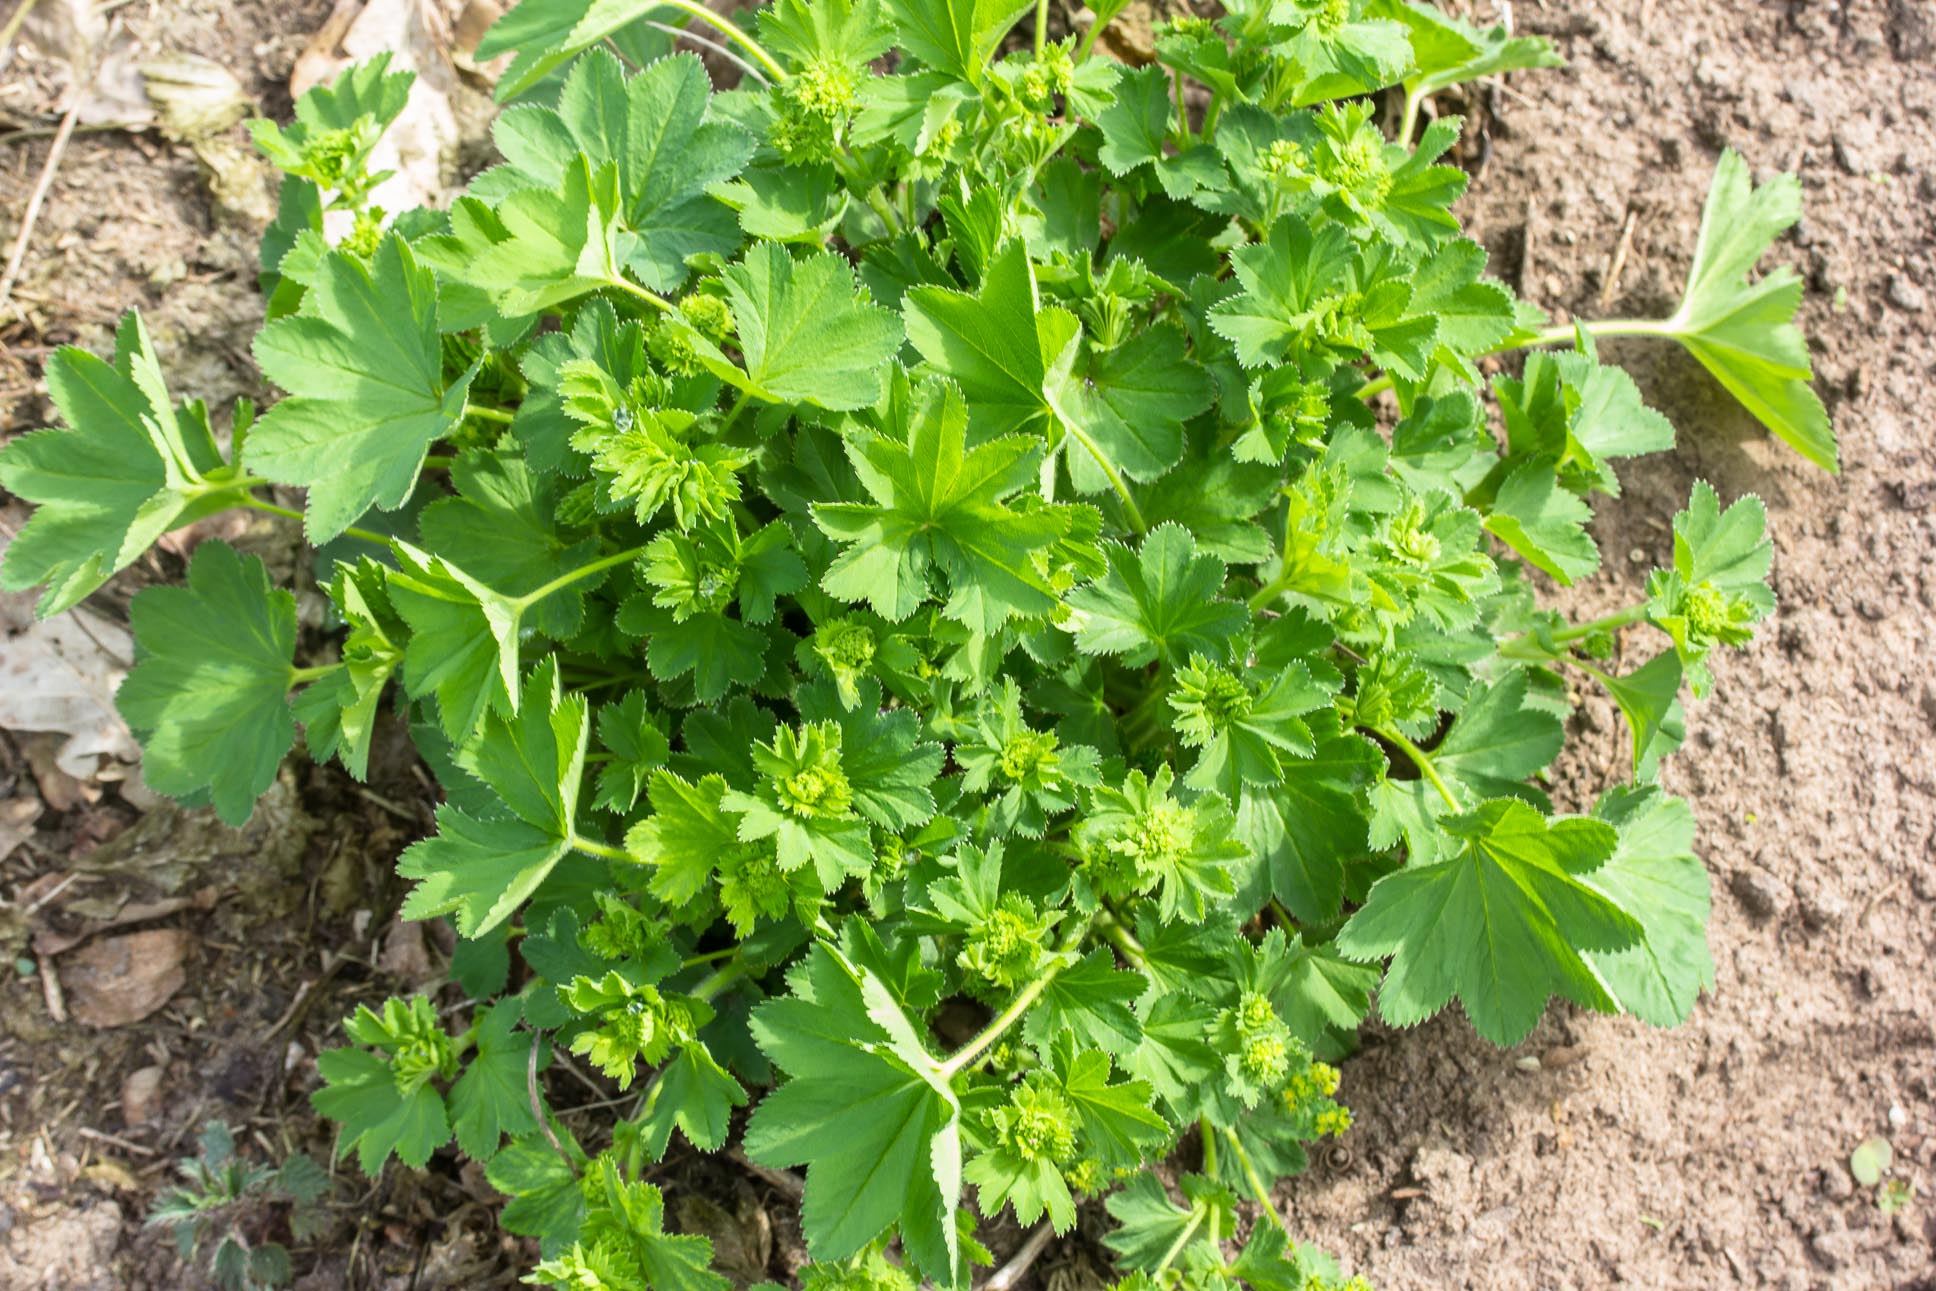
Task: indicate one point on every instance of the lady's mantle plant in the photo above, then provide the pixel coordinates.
(972, 604)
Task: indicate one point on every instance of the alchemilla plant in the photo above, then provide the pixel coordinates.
(976, 603)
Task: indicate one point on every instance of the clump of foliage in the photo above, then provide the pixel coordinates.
(973, 604)
(224, 1206)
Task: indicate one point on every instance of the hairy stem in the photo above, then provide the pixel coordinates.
(1556, 335)
(1024, 999)
(537, 594)
(1423, 761)
(362, 535)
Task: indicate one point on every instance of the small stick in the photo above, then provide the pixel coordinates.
(537, 1105)
(1618, 261)
(714, 46)
(51, 988)
(1011, 1273)
(89, 1132)
(32, 214)
(13, 23)
(785, 1182)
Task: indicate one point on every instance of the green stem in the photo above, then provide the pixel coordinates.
(1255, 1180)
(1209, 1137)
(497, 415)
(1176, 1247)
(1423, 761)
(732, 413)
(710, 957)
(605, 851)
(1406, 123)
(732, 32)
(1270, 591)
(627, 285)
(363, 535)
(1041, 27)
(439, 461)
(583, 571)
(1089, 38)
(1528, 647)
(1131, 512)
(1024, 998)
(1118, 936)
(303, 676)
(1556, 335)
(1182, 112)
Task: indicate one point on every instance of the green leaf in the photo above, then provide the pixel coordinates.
(1497, 742)
(1543, 522)
(361, 1095)
(1654, 876)
(955, 37)
(998, 346)
(1159, 602)
(637, 744)
(693, 1093)
(547, 34)
(463, 645)
(938, 508)
(503, 521)
(1118, 1124)
(1649, 698)
(867, 1110)
(1136, 127)
(542, 247)
(363, 366)
(656, 129)
(1124, 408)
(546, 1200)
(1153, 1231)
(1090, 1001)
(1448, 51)
(806, 333)
(685, 836)
(490, 1099)
(1501, 925)
(128, 469)
(208, 692)
(480, 870)
(1742, 332)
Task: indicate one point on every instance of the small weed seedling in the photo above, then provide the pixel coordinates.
(224, 1206)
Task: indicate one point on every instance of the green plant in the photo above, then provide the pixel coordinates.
(224, 1207)
(981, 599)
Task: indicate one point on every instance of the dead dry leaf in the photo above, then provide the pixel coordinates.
(121, 980)
(59, 675)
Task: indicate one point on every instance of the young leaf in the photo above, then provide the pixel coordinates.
(128, 469)
(1743, 332)
(954, 37)
(480, 870)
(363, 366)
(806, 335)
(1161, 602)
(938, 507)
(208, 694)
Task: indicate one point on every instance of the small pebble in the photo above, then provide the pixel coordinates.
(1760, 893)
(1906, 295)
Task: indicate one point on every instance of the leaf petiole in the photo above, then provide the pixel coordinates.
(1423, 761)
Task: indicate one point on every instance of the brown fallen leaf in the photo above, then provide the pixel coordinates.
(52, 941)
(121, 980)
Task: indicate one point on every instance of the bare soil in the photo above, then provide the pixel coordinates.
(1600, 1153)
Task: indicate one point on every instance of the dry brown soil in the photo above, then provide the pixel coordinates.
(1598, 1154)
